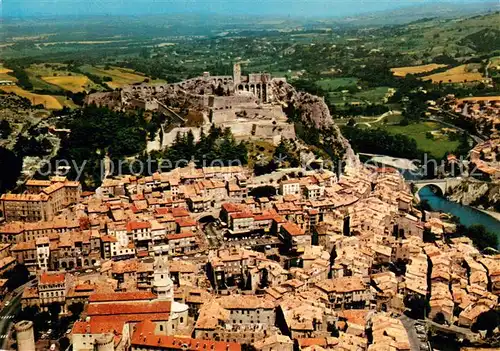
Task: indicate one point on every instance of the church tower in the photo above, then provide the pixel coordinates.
(236, 74)
(163, 286)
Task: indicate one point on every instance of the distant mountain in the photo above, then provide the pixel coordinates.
(417, 13)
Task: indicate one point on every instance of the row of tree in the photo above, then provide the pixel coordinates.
(215, 147)
(379, 141)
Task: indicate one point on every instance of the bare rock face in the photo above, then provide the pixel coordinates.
(314, 112)
(484, 195)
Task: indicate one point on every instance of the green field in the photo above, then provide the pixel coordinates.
(375, 95)
(119, 76)
(332, 84)
(55, 77)
(437, 147)
(340, 99)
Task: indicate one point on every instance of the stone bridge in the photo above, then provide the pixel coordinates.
(442, 184)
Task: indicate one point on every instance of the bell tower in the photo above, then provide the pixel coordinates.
(163, 286)
(236, 74)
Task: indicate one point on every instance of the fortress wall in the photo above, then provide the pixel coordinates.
(222, 116)
(147, 105)
(260, 130)
(285, 130)
(218, 102)
(267, 112)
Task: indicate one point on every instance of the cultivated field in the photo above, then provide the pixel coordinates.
(4, 74)
(56, 77)
(120, 76)
(50, 102)
(460, 74)
(403, 71)
(73, 83)
(479, 98)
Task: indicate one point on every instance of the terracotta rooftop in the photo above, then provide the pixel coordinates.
(47, 278)
(122, 296)
(138, 225)
(180, 236)
(292, 229)
(136, 308)
(144, 336)
(342, 285)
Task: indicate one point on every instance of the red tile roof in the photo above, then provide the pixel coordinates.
(144, 336)
(232, 207)
(293, 229)
(137, 225)
(185, 222)
(240, 215)
(46, 278)
(136, 308)
(180, 212)
(122, 296)
(180, 236)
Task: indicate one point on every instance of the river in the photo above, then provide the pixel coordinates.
(467, 215)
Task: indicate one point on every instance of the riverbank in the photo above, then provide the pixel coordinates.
(467, 215)
(493, 214)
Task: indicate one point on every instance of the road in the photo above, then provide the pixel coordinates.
(381, 117)
(7, 315)
(409, 325)
(476, 138)
(6, 318)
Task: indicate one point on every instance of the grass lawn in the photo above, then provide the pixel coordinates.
(331, 84)
(437, 147)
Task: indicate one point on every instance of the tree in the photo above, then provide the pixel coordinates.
(439, 318)
(481, 238)
(76, 310)
(418, 306)
(489, 321)
(27, 313)
(263, 191)
(5, 129)
(41, 321)
(11, 166)
(64, 343)
(54, 311)
(16, 277)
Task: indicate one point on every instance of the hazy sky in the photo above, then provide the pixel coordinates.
(25, 8)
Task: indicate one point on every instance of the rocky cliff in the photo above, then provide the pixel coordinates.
(314, 112)
(484, 195)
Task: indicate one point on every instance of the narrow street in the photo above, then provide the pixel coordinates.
(6, 320)
(409, 325)
(7, 315)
